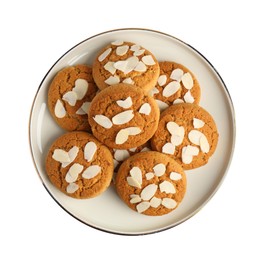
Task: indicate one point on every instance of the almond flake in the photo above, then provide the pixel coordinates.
(139, 52)
(122, 50)
(192, 150)
(168, 148)
(171, 88)
(60, 155)
(123, 117)
(159, 169)
(122, 136)
(136, 173)
(112, 80)
(148, 60)
(128, 81)
(117, 42)
(176, 74)
(73, 172)
(145, 149)
(133, 182)
(153, 91)
(187, 80)
(169, 203)
(140, 67)
(167, 187)
(135, 198)
(143, 206)
(162, 105)
(104, 55)
(194, 136)
(103, 121)
(178, 101)
(91, 171)
(72, 153)
(72, 188)
(149, 176)
(133, 150)
(121, 65)
(188, 97)
(83, 110)
(135, 47)
(121, 155)
(175, 176)
(175, 129)
(148, 192)
(162, 80)
(188, 152)
(116, 163)
(125, 103)
(145, 109)
(59, 109)
(89, 151)
(155, 202)
(176, 139)
(197, 123)
(133, 130)
(204, 145)
(81, 87)
(131, 64)
(109, 66)
(70, 97)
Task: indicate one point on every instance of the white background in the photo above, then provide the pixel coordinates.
(34, 34)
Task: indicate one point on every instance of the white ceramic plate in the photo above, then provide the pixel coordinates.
(107, 212)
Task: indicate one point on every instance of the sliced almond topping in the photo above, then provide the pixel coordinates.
(136, 173)
(168, 148)
(188, 97)
(135, 47)
(204, 145)
(197, 123)
(178, 101)
(122, 50)
(175, 129)
(83, 109)
(116, 163)
(194, 136)
(121, 65)
(70, 97)
(73, 172)
(103, 121)
(167, 187)
(188, 152)
(128, 81)
(133, 182)
(140, 67)
(122, 136)
(89, 151)
(159, 169)
(109, 66)
(72, 188)
(131, 64)
(192, 150)
(121, 155)
(187, 80)
(176, 74)
(72, 153)
(162, 80)
(162, 105)
(125, 103)
(91, 171)
(112, 80)
(81, 87)
(117, 42)
(104, 55)
(143, 206)
(171, 88)
(61, 156)
(123, 117)
(59, 109)
(135, 198)
(148, 60)
(176, 139)
(148, 192)
(169, 203)
(153, 91)
(139, 52)
(149, 176)
(175, 176)
(133, 130)
(145, 109)
(133, 150)
(155, 202)
(145, 149)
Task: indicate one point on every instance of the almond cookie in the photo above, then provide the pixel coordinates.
(123, 117)
(69, 97)
(79, 165)
(176, 84)
(187, 133)
(151, 183)
(125, 62)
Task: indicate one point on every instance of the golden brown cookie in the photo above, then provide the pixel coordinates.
(123, 117)
(79, 165)
(176, 84)
(188, 133)
(125, 62)
(69, 96)
(151, 183)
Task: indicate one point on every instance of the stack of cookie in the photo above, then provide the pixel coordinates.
(132, 119)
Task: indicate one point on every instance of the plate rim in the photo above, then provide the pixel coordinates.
(233, 117)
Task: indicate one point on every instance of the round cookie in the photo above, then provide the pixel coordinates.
(188, 133)
(79, 165)
(69, 96)
(125, 62)
(176, 84)
(151, 183)
(123, 117)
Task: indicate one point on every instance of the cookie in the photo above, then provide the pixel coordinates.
(123, 117)
(151, 183)
(69, 96)
(125, 62)
(176, 84)
(79, 165)
(188, 133)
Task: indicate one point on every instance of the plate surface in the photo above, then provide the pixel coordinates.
(107, 212)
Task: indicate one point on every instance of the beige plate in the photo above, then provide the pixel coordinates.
(107, 212)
